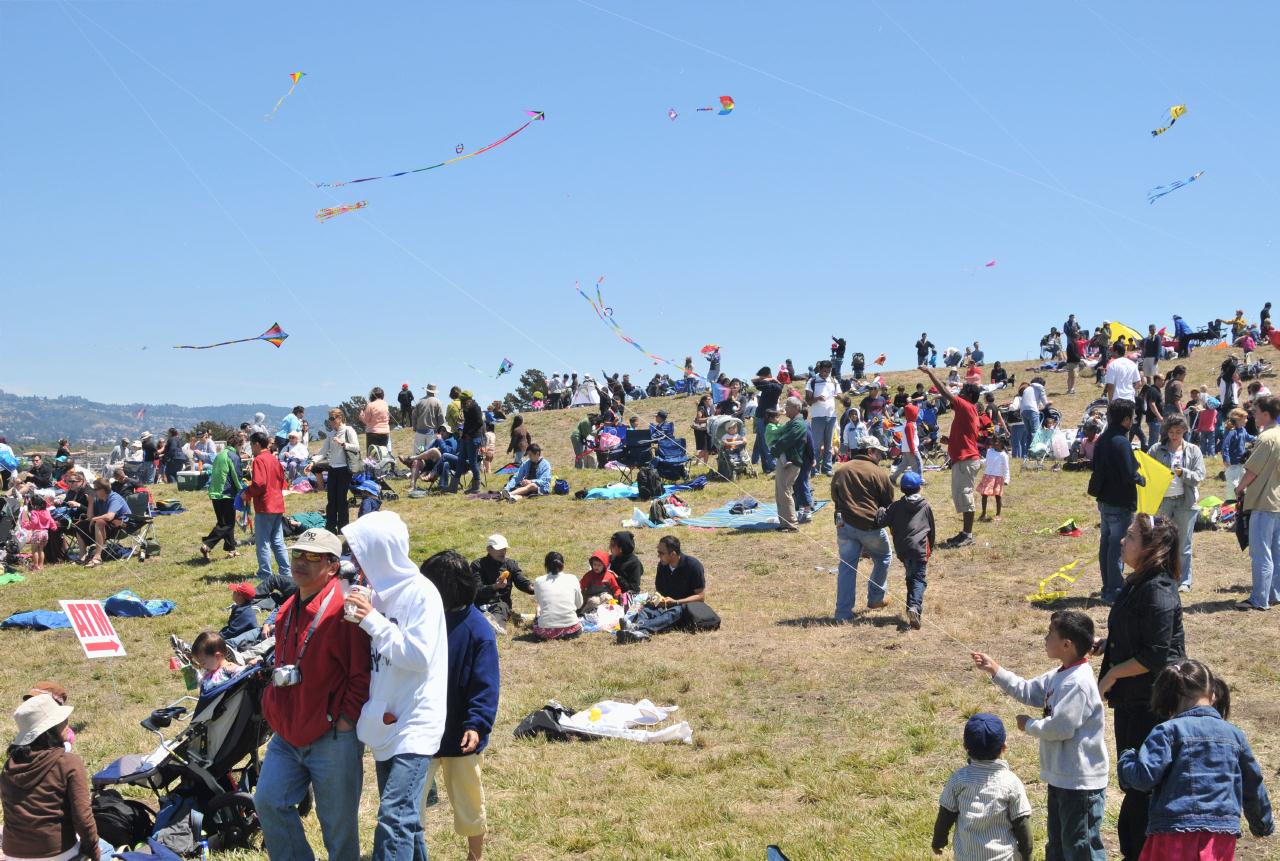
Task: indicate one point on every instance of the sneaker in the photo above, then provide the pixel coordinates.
(913, 618)
(806, 516)
(1184, 587)
(630, 636)
(1248, 605)
(964, 539)
(879, 605)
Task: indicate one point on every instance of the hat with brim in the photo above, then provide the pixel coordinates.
(37, 716)
(145, 435)
(432, 389)
(318, 541)
(246, 589)
(870, 443)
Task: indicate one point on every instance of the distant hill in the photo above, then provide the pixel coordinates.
(84, 422)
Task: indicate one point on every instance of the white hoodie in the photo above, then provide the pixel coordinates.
(410, 649)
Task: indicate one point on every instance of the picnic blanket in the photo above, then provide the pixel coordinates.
(629, 491)
(762, 518)
(123, 603)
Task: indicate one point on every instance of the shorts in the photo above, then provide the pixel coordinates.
(461, 776)
(556, 633)
(700, 439)
(991, 485)
(1072, 366)
(964, 476)
(38, 538)
(1149, 367)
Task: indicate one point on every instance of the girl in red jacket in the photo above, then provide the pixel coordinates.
(598, 584)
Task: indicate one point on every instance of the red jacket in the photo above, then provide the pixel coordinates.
(591, 582)
(266, 491)
(335, 670)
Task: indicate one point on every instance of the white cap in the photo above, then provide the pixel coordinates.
(498, 542)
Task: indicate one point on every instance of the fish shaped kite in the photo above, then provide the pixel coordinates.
(275, 335)
(535, 116)
(1174, 113)
(294, 77)
(332, 211)
(1161, 190)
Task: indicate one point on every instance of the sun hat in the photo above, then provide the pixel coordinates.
(145, 435)
(432, 388)
(37, 716)
(984, 736)
(319, 541)
(246, 589)
(498, 542)
(870, 443)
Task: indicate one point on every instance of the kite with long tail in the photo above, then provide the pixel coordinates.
(1174, 113)
(534, 116)
(295, 77)
(1161, 190)
(605, 314)
(334, 211)
(275, 335)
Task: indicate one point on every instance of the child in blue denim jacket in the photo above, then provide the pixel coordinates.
(1198, 768)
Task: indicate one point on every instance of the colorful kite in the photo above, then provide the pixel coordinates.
(726, 108)
(504, 367)
(709, 349)
(294, 77)
(990, 264)
(459, 149)
(606, 316)
(1174, 112)
(275, 335)
(331, 211)
(1161, 190)
(536, 115)
(671, 113)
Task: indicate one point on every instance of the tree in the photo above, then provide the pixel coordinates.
(217, 430)
(351, 410)
(522, 398)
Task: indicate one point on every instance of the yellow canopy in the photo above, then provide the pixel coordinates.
(1158, 479)
(1120, 330)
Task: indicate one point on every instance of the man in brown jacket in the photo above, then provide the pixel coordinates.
(859, 490)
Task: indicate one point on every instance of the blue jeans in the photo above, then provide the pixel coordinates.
(1264, 553)
(471, 457)
(916, 571)
(447, 472)
(851, 542)
(760, 449)
(1154, 430)
(268, 540)
(1030, 424)
(333, 767)
(1075, 825)
(803, 489)
(821, 429)
(1115, 522)
(1207, 441)
(1017, 441)
(1183, 512)
(398, 835)
(653, 620)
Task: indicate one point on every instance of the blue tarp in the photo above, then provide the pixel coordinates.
(629, 491)
(763, 517)
(123, 603)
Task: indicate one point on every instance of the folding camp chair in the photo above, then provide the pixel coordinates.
(138, 533)
(672, 458)
(637, 448)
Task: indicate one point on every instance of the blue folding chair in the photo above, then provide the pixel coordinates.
(672, 458)
(637, 448)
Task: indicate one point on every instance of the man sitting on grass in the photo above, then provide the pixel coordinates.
(532, 479)
(680, 581)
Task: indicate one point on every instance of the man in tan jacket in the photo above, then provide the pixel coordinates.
(859, 490)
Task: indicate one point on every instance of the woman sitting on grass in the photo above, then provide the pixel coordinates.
(559, 598)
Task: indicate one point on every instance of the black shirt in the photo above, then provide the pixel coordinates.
(767, 399)
(487, 570)
(900, 400)
(81, 496)
(42, 475)
(148, 450)
(1151, 347)
(685, 580)
(1073, 350)
(472, 420)
(1144, 623)
(1000, 375)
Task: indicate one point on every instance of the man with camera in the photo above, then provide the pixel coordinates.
(319, 684)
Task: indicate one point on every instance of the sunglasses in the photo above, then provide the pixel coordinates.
(310, 556)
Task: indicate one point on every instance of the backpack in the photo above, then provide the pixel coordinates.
(657, 511)
(122, 821)
(649, 483)
(561, 487)
(699, 617)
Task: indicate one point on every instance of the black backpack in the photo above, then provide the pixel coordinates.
(649, 483)
(698, 616)
(122, 821)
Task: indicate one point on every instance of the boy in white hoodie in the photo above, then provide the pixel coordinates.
(1073, 747)
(404, 718)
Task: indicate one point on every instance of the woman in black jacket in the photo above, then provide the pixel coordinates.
(624, 562)
(1144, 634)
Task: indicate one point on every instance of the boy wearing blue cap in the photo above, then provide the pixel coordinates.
(985, 801)
(910, 522)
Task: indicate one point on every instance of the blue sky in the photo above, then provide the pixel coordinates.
(879, 154)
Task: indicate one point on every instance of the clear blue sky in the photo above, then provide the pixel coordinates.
(879, 153)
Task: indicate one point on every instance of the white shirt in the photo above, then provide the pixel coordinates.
(1033, 397)
(1176, 459)
(824, 397)
(559, 598)
(297, 450)
(996, 463)
(1123, 374)
(988, 797)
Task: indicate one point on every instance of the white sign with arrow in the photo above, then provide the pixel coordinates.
(93, 628)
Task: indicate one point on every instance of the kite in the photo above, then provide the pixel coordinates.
(726, 108)
(1161, 190)
(606, 316)
(1157, 477)
(459, 148)
(536, 115)
(331, 211)
(671, 113)
(880, 359)
(1069, 529)
(990, 264)
(275, 335)
(504, 367)
(1053, 595)
(709, 349)
(295, 77)
(1174, 112)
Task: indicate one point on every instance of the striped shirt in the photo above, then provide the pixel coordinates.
(989, 798)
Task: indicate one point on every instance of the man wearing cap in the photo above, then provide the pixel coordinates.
(769, 390)
(661, 429)
(472, 438)
(405, 399)
(428, 414)
(496, 574)
(313, 710)
(859, 489)
(788, 447)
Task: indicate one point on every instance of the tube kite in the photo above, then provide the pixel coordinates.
(1161, 190)
(1174, 112)
(294, 77)
(534, 117)
(275, 335)
(332, 211)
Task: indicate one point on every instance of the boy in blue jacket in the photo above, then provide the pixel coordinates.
(472, 696)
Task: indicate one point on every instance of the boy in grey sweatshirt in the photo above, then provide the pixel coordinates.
(1073, 747)
(910, 522)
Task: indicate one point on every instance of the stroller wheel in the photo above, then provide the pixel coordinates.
(231, 822)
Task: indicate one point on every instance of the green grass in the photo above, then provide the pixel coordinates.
(831, 741)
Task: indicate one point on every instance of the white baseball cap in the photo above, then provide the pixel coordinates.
(498, 542)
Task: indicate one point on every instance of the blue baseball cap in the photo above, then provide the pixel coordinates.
(984, 736)
(910, 482)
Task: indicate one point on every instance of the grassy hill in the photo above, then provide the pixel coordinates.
(832, 741)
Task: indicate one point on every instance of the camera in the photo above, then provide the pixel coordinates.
(286, 676)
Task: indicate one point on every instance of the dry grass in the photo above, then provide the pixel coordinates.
(831, 741)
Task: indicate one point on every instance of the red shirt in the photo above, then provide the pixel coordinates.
(266, 491)
(335, 670)
(962, 444)
(911, 413)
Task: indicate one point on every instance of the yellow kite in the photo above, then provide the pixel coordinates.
(1158, 479)
(1174, 112)
(1120, 330)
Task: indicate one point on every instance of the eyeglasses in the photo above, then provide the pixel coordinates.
(310, 556)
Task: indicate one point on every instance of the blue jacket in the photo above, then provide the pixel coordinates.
(1201, 775)
(540, 477)
(242, 619)
(1180, 327)
(1233, 445)
(473, 679)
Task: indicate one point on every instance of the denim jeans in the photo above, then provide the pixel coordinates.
(333, 767)
(1075, 825)
(760, 449)
(268, 540)
(398, 835)
(916, 571)
(1031, 424)
(1183, 512)
(851, 542)
(1017, 441)
(653, 620)
(1206, 440)
(821, 429)
(803, 489)
(1264, 553)
(1154, 430)
(471, 458)
(1115, 522)
(447, 472)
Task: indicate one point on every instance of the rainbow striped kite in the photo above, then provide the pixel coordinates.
(294, 77)
(275, 335)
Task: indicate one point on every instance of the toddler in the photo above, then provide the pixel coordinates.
(599, 584)
(985, 801)
(209, 652)
(995, 475)
(38, 523)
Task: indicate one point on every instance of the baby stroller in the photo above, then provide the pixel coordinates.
(729, 441)
(206, 773)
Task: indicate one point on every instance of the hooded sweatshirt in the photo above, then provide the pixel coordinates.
(405, 713)
(473, 679)
(46, 805)
(627, 567)
(910, 522)
(604, 582)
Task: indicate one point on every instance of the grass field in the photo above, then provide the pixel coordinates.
(831, 741)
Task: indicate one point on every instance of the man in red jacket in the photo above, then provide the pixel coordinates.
(266, 492)
(319, 684)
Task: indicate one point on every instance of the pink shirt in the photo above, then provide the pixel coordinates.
(39, 520)
(376, 417)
